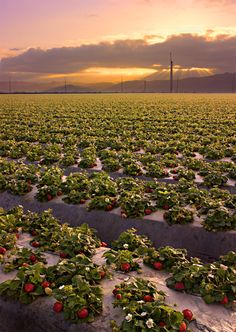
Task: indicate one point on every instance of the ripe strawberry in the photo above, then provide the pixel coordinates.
(149, 190)
(183, 327)
(103, 244)
(147, 298)
(63, 255)
(59, 193)
(82, 201)
(49, 197)
(29, 288)
(118, 296)
(34, 233)
(35, 244)
(2, 250)
(147, 211)
(158, 265)
(187, 314)
(162, 324)
(45, 284)
(174, 171)
(179, 286)
(115, 291)
(166, 207)
(58, 307)
(125, 267)
(82, 314)
(225, 300)
(32, 258)
(109, 207)
(17, 235)
(102, 274)
(25, 264)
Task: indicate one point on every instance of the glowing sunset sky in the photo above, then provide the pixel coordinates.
(100, 40)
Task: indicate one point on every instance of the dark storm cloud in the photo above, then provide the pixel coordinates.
(189, 51)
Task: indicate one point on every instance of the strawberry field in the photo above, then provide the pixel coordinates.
(163, 164)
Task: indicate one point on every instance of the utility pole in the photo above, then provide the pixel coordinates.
(65, 86)
(171, 73)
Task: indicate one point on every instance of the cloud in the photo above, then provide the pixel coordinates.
(189, 51)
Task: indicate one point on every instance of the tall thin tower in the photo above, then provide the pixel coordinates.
(171, 73)
(65, 87)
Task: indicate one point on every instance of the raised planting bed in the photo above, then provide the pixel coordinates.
(98, 288)
(192, 236)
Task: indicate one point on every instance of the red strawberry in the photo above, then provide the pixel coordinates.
(115, 291)
(25, 264)
(162, 324)
(63, 255)
(158, 265)
(58, 307)
(109, 207)
(174, 171)
(45, 284)
(59, 193)
(103, 244)
(179, 286)
(29, 288)
(82, 201)
(102, 274)
(147, 211)
(49, 197)
(35, 244)
(225, 300)
(118, 296)
(166, 207)
(125, 267)
(83, 313)
(32, 258)
(34, 233)
(183, 327)
(187, 314)
(147, 298)
(17, 235)
(149, 190)
(2, 250)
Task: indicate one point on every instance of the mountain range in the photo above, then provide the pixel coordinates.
(215, 83)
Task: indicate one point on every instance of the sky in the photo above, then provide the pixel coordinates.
(109, 40)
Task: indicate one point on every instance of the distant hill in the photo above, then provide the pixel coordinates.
(216, 83)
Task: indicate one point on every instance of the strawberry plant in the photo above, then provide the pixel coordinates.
(178, 215)
(27, 285)
(123, 260)
(81, 302)
(167, 257)
(145, 309)
(131, 241)
(22, 257)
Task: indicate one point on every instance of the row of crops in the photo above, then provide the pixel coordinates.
(171, 159)
(75, 281)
